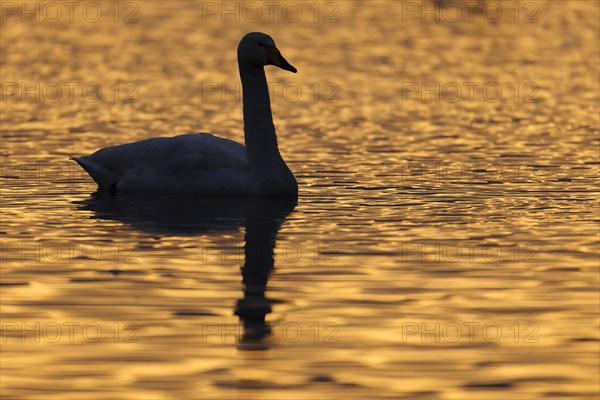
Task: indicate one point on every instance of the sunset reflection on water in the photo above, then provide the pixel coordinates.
(444, 243)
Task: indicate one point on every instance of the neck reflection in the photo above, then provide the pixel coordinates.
(263, 220)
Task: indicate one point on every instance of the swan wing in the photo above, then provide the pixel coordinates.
(191, 163)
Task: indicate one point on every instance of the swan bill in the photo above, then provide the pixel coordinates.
(275, 58)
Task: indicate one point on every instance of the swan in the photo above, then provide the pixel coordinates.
(201, 163)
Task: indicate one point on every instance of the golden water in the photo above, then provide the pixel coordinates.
(439, 249)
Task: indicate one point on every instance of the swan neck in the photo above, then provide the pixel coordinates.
(259, 131)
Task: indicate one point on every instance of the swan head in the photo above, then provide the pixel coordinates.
(258, 49)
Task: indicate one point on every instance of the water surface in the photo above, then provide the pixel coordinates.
(439, 248)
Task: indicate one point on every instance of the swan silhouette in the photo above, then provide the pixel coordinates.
(203, 164)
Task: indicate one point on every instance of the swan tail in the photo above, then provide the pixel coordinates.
(105, 178)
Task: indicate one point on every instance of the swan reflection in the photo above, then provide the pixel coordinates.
(261, 217)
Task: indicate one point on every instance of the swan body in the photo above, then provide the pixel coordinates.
(201, 163)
